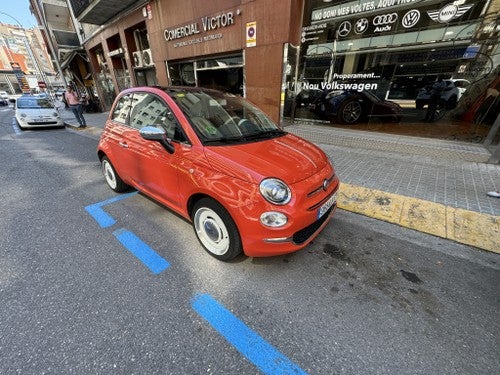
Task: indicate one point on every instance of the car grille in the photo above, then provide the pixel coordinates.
(42, 123)
(304, 234)
(321, 188)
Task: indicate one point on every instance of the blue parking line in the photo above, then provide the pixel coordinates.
(141, 250)
(103, 218)
(247, 342)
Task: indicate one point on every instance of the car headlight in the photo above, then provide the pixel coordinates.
(275, 191)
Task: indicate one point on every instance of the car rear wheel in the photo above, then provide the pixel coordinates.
(350, 112)
(216, 229)
(112, 178)
(452, 102)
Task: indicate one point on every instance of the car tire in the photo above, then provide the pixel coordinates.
(451, 102)
(112, 178)
(216, 230)
(350, 112)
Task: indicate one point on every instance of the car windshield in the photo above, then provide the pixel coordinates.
(33, 103)
(374, 97)
(220, 118)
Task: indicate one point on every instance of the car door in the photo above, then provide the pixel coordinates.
(156, 170)
(117, 140)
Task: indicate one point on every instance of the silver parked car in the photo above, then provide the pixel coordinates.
(451, 94)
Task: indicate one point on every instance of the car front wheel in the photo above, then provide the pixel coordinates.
(216, 230)
(350, 112)
(112, 178)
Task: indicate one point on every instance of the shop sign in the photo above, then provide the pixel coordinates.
(355, 8)
(206, 24)
(313, 32)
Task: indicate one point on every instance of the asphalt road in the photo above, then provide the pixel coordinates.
(366, 297)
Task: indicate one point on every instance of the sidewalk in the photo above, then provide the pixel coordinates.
(429, 185)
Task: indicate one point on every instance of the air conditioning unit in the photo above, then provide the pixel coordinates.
(147, 58)
(138, 63)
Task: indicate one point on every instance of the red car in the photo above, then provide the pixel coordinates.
(244, 183)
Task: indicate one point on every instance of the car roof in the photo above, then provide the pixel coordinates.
(171, 89)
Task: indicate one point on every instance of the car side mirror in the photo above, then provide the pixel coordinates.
(152, 133)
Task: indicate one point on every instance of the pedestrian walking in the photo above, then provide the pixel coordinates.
(74, 103)
(435, 96)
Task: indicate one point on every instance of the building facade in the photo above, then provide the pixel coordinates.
(23, 50)
(212, 44)
(272, 51)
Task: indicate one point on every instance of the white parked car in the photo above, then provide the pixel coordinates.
(4, 98)
(35, 111)
(451, 94)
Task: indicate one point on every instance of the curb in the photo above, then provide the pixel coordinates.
(459, 225)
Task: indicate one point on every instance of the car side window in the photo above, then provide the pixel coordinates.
(122, 109)
(150, 110)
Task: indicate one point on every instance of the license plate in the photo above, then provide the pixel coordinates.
(327, 205)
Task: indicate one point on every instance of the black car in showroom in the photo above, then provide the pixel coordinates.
(352, 107)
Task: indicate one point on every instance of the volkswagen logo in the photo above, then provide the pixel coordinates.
(385, 19)
(410, 19)
(344, 28)
(361, 26)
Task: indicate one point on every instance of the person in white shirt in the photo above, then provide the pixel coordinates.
(73, 102)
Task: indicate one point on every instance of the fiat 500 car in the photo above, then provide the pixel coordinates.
(215, 159)
(351, 107)
(35, 112)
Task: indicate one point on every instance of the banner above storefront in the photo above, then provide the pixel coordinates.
(356, 7)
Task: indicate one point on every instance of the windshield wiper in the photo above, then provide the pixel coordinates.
(266, 134)
(224, 140)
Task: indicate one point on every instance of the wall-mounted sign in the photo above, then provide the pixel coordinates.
(206, 24)
(251, 34)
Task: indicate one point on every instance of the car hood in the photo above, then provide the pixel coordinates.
(288, 158)
(36, 112)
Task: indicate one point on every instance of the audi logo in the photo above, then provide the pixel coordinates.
(385, 19)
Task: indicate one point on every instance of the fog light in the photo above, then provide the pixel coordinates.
(273, 219)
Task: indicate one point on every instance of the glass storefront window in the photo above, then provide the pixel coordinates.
(223, 73)
(397, 51)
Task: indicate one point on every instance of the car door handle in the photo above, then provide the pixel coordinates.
(123, 144)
